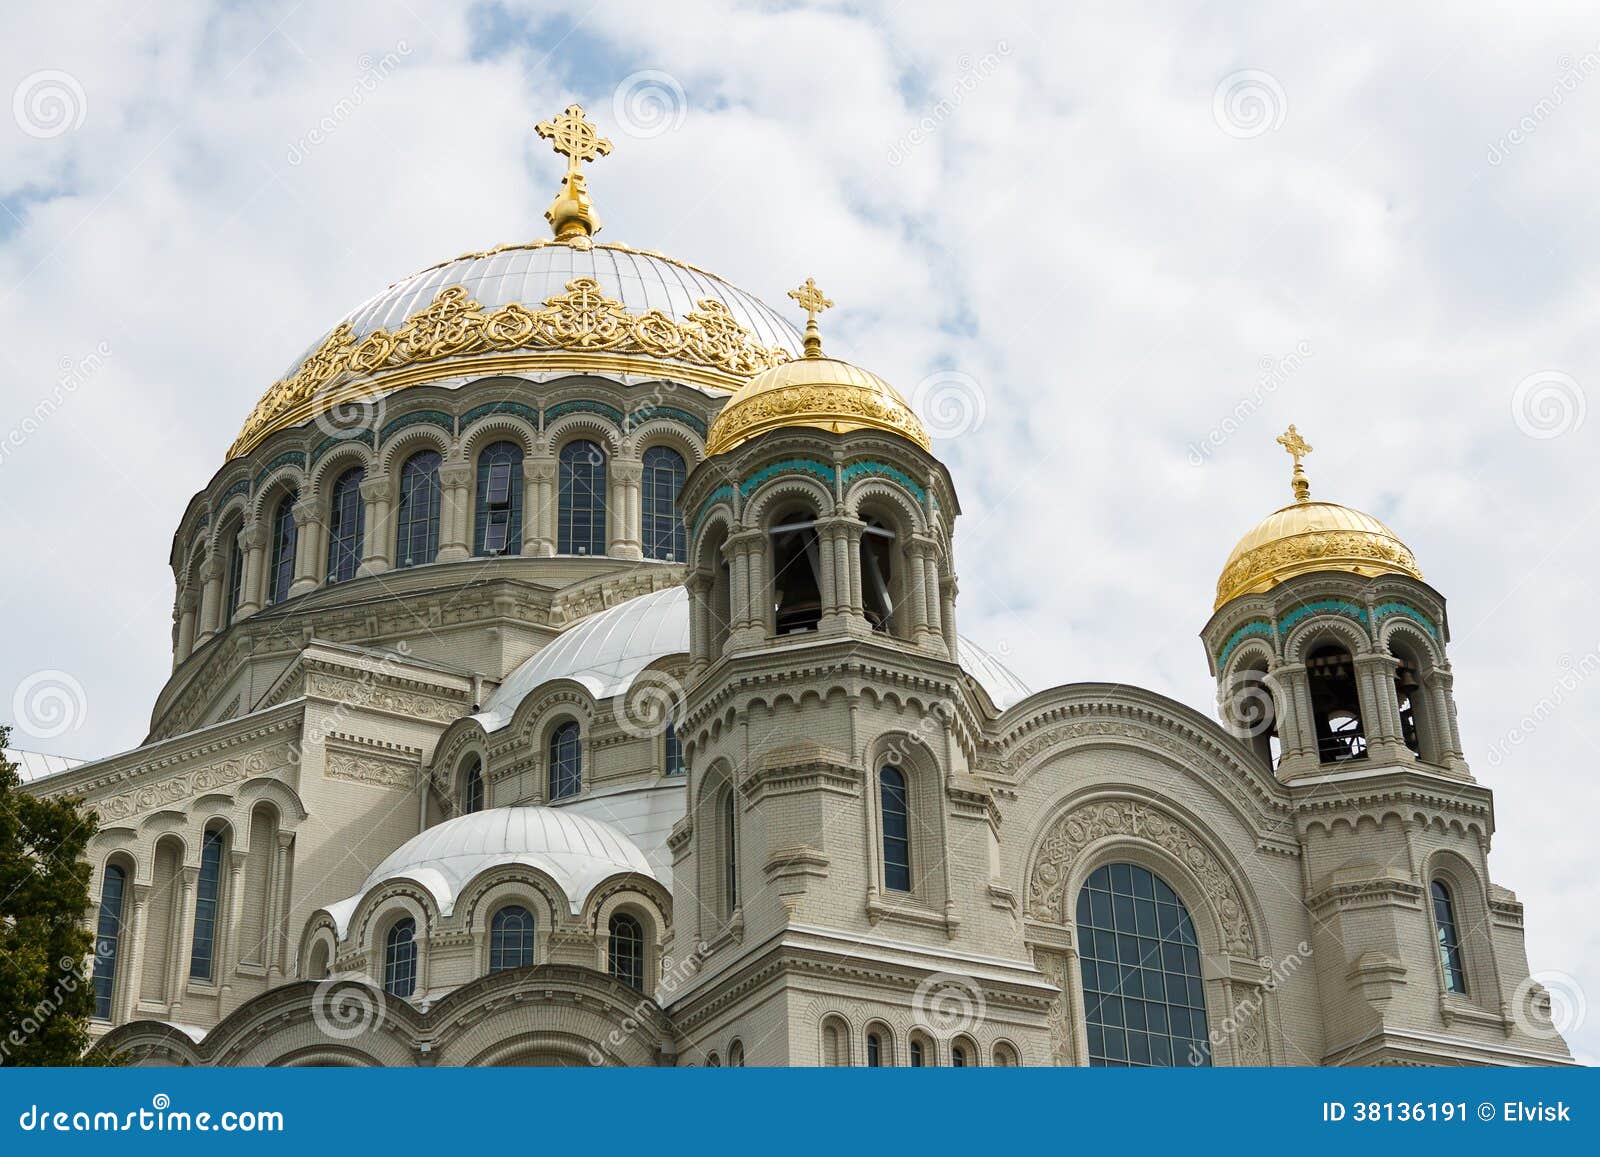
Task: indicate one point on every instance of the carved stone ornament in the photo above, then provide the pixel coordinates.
(1104, 819)
(178, 788)
(358, 768)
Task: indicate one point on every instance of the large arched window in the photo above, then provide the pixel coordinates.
(108, 939)
(497, 523)
(1142, 992)
(581, 510)
(207, 889)
(661, 528)
(730, 852)
(472, 794)
(284, 540)
(511, 938)
(1444, 920)
(400, 959)
(417, 524)
(566, 761)
(625, 951)
(235, 577)
(896, 830)
(346, 525)
(796, 573)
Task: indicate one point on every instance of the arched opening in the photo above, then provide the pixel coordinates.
(1448, 931)
(736, 1054)
(921, 1052)
(566, 760)
(158, 974)
(1252, 711)
(719, 593)
(108, 939)
(1335, 704)
(796, 573)
(255, 927)
(285, 540)
(207, 893)
(1411, 699)
(1005, 1057)
(346, 525)
(317, 967)
(417, 520)
(581, 501)
(1144, 1001)
(400, 958)
(963, 1053)
(880, 577)
(895, 804)
(472, 791)
(730, 852)
(511, 938)
(625, 950)
(835, 1042)
(235, 592)
(497, 522)
(880, 1046)
(661, 528)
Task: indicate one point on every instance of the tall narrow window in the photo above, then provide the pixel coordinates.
(235, 577)
(1410, 697)
(108, 939)
(626, 950)
(796, 574)
(896, 830)
(1144, 1001)
(284, 541)
(346, 525)
(661, 528)
(673, 751)
(874, 1050)
(472, 786)
(581, 510)
(201, 956)
(959, 1055)
(400, 959)
(918, 1054)
(566, 761)
(417, 523)
(877, 575)
(1444, 919)
(730, 852)
(497, 523)
(511, 939)
(1335, 705)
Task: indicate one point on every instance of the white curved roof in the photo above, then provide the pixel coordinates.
(607, 650)
(579, 853)
(531, 274)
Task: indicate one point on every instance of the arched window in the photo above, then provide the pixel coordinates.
(346, 525)
(896, 830)
(1444, 919)
(962, 1055)
(1142, 992)
(400, 959)
(660, 527)
(284, 540)
(108, 938)
(511, 939)
(235, 578)
(796, 573)
(1335, 704)
(317, 966)
(878, 576)
(736, 1055)
(835, 1042)
(417, 523)
(472, 786)
(581, 510)
(1005, 1057)
(730, 852)
(625, 950)
(673, 751)
(566, 761)
(919, 1053)
(207, 888)
(1411, 697)
(877, 1049)
(497, 523)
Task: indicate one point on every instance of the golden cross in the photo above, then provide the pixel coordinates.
(1297, 448)
(811, 299)
(573, 137)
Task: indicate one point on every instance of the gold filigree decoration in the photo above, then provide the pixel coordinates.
(583, 319)
(828, 406)
(1287, 556)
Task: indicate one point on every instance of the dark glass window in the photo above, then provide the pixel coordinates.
(1142, 991)
(958, 1056)
(346, 525)
(566, 761)
(581, 511)
(497, 523)
(284, 538)
(896, 830)
(874, 1051)
(1444, 919)
(626, 951)
(235, 578)
(661, 528)
(400, 959)
(673, 750)
(918, 1059)
(511, 939)
(205, 906)
(108, 937)
(730, 851)
(472, 787)
(417, 524)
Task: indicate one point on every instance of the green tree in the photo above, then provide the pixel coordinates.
(46, 997)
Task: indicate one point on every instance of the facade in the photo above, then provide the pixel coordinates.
(566, 671)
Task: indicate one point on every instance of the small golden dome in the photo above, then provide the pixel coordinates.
(813, 391)
(1308, 536)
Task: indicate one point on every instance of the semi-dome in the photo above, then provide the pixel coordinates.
(546, 307)
(578, 852)
(1308, 536)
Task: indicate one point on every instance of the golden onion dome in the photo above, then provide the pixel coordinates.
(815, 392)
(1308, 536)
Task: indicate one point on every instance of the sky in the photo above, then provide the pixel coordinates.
(1109, 251)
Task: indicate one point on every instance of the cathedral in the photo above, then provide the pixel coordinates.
(566, 671)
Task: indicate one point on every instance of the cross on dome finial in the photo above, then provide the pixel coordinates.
(811, 299)
(572, 214)
(1297, 448)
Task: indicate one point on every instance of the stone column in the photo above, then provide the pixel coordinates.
(539, 507)
(698, 584)
(830, 571)
(624, 525)
(1446, 730)
(188, 609)
(307, 547)
(747, 556)
(183, 922)
(229, 922)
(276, 907)
(930, 587)
(455, 485)
(130, 957)
(1297, 736)
(947, 612)
(1380, 708)
(210, 598)
(377, 536)
(253, 541)
(921, 591)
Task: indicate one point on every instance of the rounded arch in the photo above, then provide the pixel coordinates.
(787, 490)
(412, 440)
(288, 481)
(227, 522)
(964, 1053)
(1319, 630)
(664, 433)
(493, 428)
(878, 1044)
(834, 1041)
(878, 496)
(1465, 891)
(581, 427)
(350, 454)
